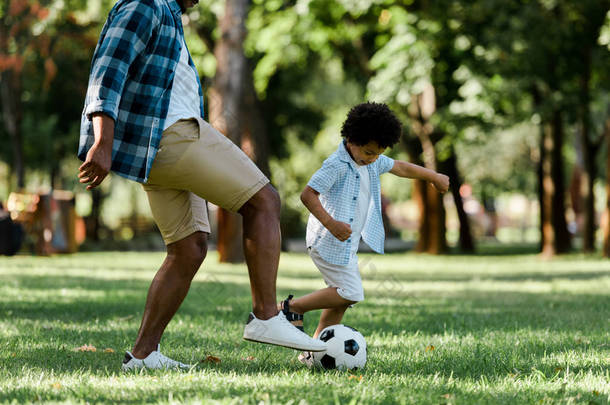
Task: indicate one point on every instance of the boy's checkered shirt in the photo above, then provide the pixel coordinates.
(131, 77)
(338, 183)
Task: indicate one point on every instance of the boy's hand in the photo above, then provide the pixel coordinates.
(441, 182)
(339, 229)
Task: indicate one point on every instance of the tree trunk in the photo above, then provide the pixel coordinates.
(555, 236)
(449, 167)
(255, 141)
(588, 155)
(225, 111)
(606, 225)
(432, 229)
(93, 223)
(10, 93)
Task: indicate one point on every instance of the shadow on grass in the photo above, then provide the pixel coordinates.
(334, 388)
(218, 311)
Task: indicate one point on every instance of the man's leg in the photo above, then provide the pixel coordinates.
(262, 243)
(168, 289)
(215, 169)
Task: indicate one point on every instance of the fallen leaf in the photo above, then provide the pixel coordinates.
(596, 393)
(355, 377)
(249, 358)
(447, 396)
(211, 359)
(57, 386)
(85, 348)
(108, 350)
(558, 369)
(430, 348)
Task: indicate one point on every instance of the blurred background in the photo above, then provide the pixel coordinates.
(510, 98)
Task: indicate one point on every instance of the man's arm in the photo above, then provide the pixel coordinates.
(413, 171)
(311, 200)
(129, 29)
(99, 158)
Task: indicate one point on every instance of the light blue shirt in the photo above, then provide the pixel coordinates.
(338, 183)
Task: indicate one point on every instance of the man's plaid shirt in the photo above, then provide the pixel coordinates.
(338, 183)
(131, 78)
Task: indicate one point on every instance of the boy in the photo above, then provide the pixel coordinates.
(344, 199)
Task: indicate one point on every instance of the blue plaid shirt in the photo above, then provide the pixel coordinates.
(338, 183)
(131, 79)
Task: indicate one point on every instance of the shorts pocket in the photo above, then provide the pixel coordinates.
(208, 135)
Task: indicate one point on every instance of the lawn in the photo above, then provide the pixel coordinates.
(440, 330)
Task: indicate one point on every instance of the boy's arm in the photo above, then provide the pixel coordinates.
(311, 200)
(413, 171)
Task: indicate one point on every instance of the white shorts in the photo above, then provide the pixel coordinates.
(345, 278)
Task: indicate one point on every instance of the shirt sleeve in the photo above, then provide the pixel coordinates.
(128, 30)
(325, 177)
(385, 164)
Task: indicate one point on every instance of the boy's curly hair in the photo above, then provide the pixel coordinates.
(371, 121)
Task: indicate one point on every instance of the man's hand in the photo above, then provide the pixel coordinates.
(441, 182)
(96, 166)
(339, 229)
(99, 158)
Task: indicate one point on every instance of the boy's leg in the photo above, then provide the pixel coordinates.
(321, 299)
(326, 298)
(330, 316)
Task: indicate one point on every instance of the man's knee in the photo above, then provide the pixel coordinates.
(267, 199)
(189, 252)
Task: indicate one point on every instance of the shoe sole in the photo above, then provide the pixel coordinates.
(285, 345)
(176, 368)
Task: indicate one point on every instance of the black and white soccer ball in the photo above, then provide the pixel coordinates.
(346, 348)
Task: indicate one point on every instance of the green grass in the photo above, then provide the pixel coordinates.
(450, 329)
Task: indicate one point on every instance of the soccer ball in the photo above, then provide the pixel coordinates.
(346, 348)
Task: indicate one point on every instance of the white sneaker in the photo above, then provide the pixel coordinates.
(306, 358)
(155, 360)
(278, 331)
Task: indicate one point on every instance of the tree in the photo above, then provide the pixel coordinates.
(17, 20)
(234, 109)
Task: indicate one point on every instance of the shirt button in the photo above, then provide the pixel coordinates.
(349, 240)
(357, 176)
(355, 198)
(351, 219)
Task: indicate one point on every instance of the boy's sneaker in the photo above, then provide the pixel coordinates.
(278, 331)
(292, 317)
(155, 360)
(306, 358)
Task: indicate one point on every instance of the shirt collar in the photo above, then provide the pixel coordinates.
(175, 7)
(345, 156)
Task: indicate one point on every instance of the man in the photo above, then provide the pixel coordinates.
(143, 120)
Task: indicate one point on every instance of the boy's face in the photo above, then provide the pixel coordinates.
(365, 154)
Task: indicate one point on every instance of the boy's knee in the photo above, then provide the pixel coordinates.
(351, 296)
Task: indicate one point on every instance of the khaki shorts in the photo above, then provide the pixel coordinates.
(195, 163)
